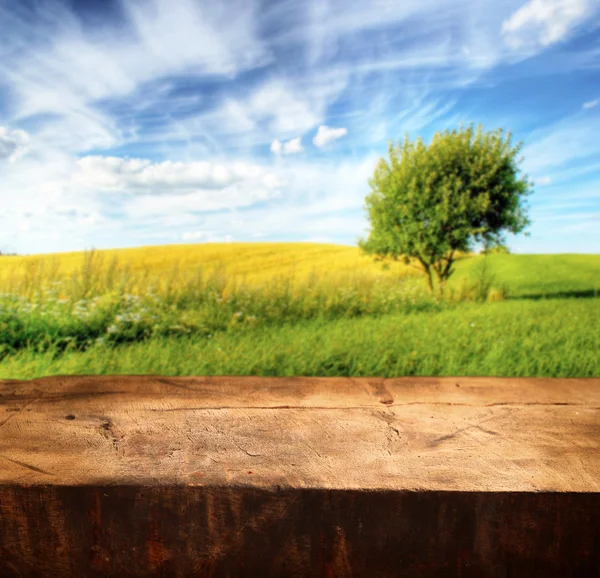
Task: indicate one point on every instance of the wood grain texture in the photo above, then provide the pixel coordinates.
(466, 434)
(228, 476)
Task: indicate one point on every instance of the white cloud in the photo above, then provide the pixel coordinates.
(323, 199)
(13, 144)
(591, 103)
(288, 148)
(543, 21)
(70, 197)
(293, 146)
(284, 109)
(276, 147)
(143, 176)
(326, 135)
(310, 196)
(543, 181)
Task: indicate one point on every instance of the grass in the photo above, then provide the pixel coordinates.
(538, 276)
(497, 339)
(519, 315)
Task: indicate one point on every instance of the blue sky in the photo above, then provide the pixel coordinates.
(129, 123)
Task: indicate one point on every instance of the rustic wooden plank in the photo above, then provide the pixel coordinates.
(150, 475)
(466, 434)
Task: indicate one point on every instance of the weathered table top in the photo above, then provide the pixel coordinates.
(467, 434)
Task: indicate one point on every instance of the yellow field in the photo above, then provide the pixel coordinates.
(172, 265)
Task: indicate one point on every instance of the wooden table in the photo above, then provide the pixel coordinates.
(251, 476)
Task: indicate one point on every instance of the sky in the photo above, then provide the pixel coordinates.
(128, 123)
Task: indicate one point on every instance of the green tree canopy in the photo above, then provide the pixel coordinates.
(430, 203)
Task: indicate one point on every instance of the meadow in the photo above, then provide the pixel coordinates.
(295, 309)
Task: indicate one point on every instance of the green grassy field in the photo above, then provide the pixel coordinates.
(504, 315)
(538, 276)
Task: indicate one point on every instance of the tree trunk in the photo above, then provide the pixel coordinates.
(441, 283)
(429, 280)
(427, 269)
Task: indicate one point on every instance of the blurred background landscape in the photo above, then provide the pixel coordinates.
(183, 186)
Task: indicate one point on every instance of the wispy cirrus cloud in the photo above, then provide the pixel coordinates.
(72, 69)
(554, 147)
(163, 39)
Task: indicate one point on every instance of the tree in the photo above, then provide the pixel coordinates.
(431, 203)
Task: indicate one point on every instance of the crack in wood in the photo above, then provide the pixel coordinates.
(64, 396)
(170, 383)
(370, 407)
(244, 450)
(28, 466)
